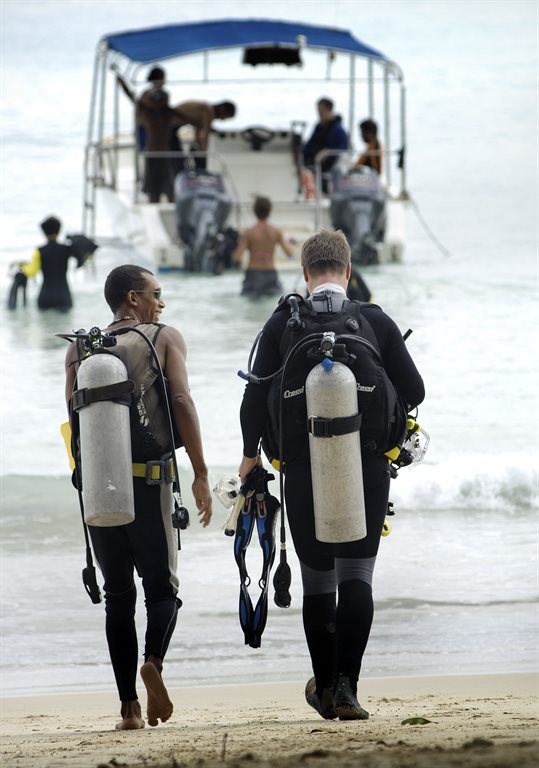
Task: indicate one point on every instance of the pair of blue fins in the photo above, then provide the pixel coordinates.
(255, 504)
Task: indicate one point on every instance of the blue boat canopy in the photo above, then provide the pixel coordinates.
(167, 42)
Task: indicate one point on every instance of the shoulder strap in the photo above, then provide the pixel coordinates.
(354, 308)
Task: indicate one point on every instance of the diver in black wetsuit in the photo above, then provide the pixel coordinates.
(337, 578)
(52, 260)
(148, 545)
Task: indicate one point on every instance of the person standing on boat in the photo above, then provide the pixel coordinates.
(149, 543)
(327, 135)
(261, 278)
(155, 122)
(200, 114)
(157, 118)
(371, 157)
(337, 578)
(52, 260)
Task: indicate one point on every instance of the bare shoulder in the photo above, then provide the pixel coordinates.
(72, 354)
(277, 233)
(170, 337)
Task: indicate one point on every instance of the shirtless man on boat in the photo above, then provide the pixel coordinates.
(260, 240)
(201, 114)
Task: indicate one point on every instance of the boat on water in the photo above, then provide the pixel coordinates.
(274, 71)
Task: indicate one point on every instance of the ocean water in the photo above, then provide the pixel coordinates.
(456, 581)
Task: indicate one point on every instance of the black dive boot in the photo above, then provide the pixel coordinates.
(347, 706)
(324, 703)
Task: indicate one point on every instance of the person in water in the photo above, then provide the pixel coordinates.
(337, 578)
(148, 544)
(261, 278)
(52, 260)
(371, 157)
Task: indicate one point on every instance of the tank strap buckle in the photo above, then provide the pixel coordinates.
(120, 392)
(159, 471)
(341, 425)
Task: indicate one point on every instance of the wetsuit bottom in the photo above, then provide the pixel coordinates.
(149, 545)
(337, 578)
(55, 295)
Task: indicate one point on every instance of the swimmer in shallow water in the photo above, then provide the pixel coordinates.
(261, 278)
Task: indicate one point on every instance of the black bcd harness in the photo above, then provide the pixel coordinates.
(382, 414)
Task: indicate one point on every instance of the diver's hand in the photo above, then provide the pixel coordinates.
(203, 499)
(247, 465)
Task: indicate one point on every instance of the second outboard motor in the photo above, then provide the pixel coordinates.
(202, 208)
(358, 208)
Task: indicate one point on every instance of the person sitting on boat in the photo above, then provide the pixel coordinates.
(328, 135)
(261, 278)
(200, 115)
(371, 157)
(52, 260)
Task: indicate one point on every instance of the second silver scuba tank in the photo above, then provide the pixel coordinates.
(337, 473)
(105, 446)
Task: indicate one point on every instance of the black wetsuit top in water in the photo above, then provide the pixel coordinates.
(54, 293)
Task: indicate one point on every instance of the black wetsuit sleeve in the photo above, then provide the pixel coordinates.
(397, 360)
(254, 408)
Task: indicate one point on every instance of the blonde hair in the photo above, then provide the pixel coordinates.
(327, 251)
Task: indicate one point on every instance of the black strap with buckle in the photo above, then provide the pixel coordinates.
(340, 425)
(119, 392)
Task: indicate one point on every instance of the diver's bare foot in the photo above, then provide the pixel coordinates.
(160, 706)
(131, 717)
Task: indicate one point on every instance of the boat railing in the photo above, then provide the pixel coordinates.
(118, 165)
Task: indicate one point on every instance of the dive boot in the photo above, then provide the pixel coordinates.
(323, 704)
(347, 707)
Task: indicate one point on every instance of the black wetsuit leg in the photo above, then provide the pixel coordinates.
(336, 627)
(149, 545)
(159, 179)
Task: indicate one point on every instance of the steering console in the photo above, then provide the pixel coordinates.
(257, 136)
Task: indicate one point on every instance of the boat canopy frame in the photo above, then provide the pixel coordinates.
(125, 53)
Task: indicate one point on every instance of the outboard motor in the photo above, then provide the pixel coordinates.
(357, 207)
(202, 208)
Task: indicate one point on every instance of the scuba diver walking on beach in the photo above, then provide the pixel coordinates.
(336, 558)
(153, 357)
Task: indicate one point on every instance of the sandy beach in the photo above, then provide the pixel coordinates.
(473, 721)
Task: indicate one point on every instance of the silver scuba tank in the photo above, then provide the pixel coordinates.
(105, 447)
(337, 473)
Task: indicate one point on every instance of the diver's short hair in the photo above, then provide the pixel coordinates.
(225, 108)
(327, 251)
(262, 207)
(325, 102)
(128, 277)
(51, 225)
(156, 73)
